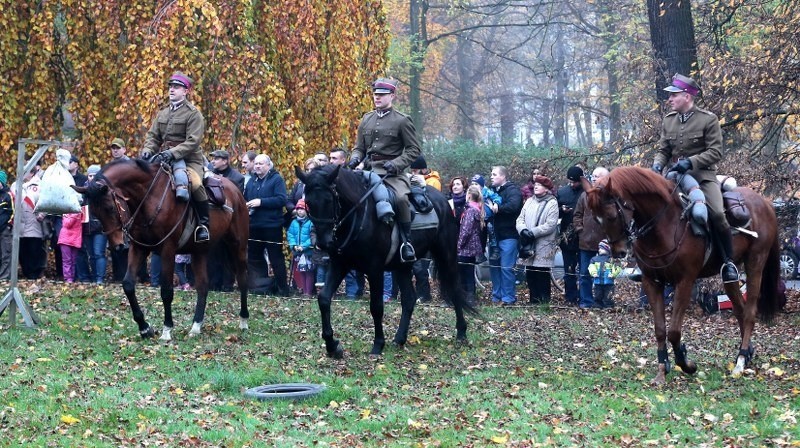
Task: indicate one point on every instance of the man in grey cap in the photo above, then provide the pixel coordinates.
(220, 164)
(388, 140)
(691, 138)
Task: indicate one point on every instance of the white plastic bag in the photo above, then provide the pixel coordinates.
(55, 195)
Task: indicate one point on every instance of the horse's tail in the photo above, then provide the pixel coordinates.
(444, 253)
(770, 302)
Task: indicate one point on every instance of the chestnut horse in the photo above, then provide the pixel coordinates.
(642, 210)
(135, 201)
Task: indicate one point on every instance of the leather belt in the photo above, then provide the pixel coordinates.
(169, 145)
(380, 157)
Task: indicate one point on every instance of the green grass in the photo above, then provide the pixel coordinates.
(529, 377)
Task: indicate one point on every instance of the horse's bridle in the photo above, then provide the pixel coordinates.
(632, 232)
(121, 205)
(336, 222)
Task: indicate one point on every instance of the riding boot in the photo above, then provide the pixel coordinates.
(407, 254)
(201, 233)
(181, 180)
(728, 271)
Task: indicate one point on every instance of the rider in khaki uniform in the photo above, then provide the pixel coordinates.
(691, 138)
(388, 140)
(175, 138)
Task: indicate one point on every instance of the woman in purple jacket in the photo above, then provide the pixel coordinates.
(469, 240)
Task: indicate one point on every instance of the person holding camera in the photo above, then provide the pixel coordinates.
(537, 225)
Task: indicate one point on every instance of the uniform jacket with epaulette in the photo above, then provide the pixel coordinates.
(699, 140)
(391, 137)
(180, 131)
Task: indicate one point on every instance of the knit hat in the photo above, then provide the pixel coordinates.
(419, 164)
(478, 179)
(3, 177)
(301, 204)
(603, 247)
(574, 173)
(93, 169)
(544, 181)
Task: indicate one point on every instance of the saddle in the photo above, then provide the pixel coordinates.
(736, 210)
(215, 190)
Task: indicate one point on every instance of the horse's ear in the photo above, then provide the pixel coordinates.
(334, 173)
(81, 190)
(300, 174)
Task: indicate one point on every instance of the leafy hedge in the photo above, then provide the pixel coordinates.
(466, 158)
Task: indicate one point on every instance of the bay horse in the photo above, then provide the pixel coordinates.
(642, 210)
(347, 227)
(135, 201)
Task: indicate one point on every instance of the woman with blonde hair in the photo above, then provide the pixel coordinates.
(469, 240)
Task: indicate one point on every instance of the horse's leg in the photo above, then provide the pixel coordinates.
(448, 274)
(683, 294)
(200, 269)
(167, 292)
(745, 313)
(408, 300)
(332, 280)
(135, 255)
(375, 278)
(238, 256)
(655, 295)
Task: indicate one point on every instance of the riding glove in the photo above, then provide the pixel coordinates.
(657, 168)
(162, 157)
(390, 168)
(145, 155)
(682, 166)
(354, 161)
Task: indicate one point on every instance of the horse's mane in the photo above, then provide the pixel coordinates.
(349, 184)
(631, 181)
(95, 187)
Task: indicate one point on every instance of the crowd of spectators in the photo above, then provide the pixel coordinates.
(514, 228)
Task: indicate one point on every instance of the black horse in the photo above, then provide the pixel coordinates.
(342, 209)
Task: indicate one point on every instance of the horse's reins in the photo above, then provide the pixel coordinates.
(337, 221)
(126, 226)
(633, 232)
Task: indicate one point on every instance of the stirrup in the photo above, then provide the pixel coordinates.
(729, 272)
(201, 234)
(182, 193)
(409, 257)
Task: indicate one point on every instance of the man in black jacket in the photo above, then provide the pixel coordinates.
(220, 269)
(567, 201)
(505, 229)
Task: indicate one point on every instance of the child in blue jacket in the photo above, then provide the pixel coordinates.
(299, 239)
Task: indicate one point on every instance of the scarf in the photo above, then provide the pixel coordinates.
(459, 200)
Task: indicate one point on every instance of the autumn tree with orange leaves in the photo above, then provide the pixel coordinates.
(283, 77)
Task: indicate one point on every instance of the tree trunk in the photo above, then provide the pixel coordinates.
(508, 118)
(466, 102)
(416, 29)
(560, 110)
(672, 34)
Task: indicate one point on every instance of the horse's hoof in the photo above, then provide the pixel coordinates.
(337, 353)
(243, 325)
(377, 350)
(399, 345)
(195, 331)
(166, 334)
(738, 369)
(661, 376)
(690, 368)
(147, 333)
